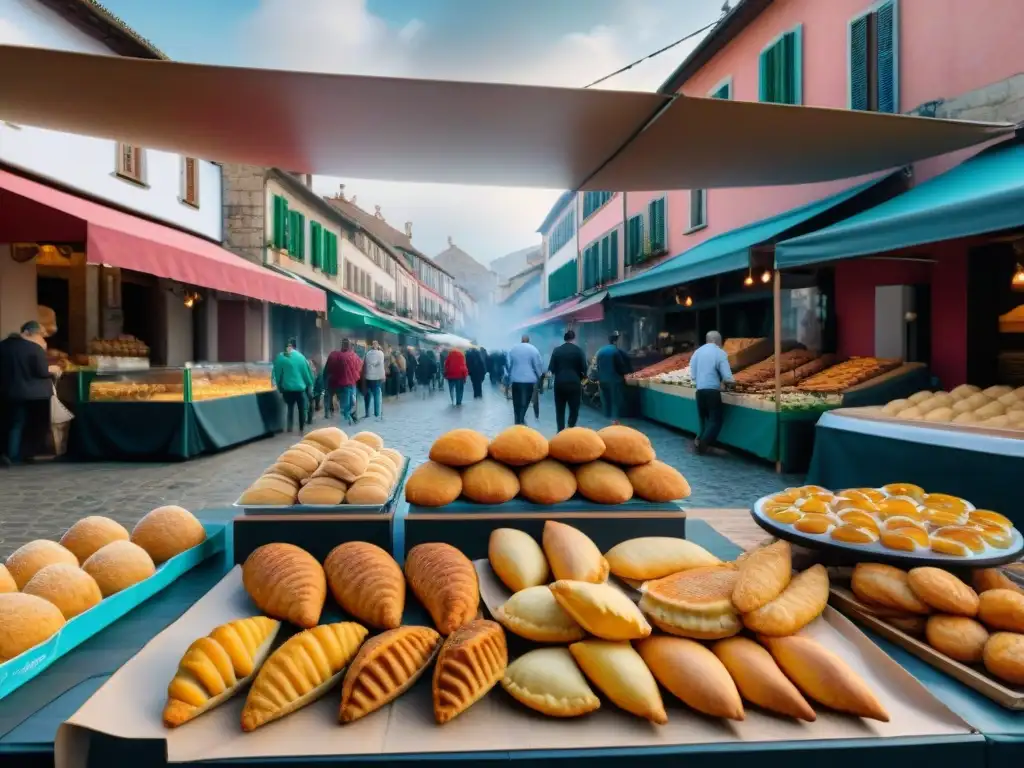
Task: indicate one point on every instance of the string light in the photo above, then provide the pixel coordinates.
(749, 279)
(689, 301)
(1017, 281)
(766, 276)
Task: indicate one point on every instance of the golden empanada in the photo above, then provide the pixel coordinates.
(886, 585)
(517, 559)
(657, 482)
(459, 448)
(535, 614)
(302, 670)
(367, 583)
(385, 668)
(549, 681)
(625, 445)
(654, 557)
(547, 482)
(696, 603)
(518, 446)
(603, 483)
(759, 679)
(433, 485)
(693, 674)
(444, 581)
(286, 582)
(572, 554)
(619, 672)
(576, 445)
(601, 610)
(764, 573)
(799, 604)
(471, 661)
(488, 482)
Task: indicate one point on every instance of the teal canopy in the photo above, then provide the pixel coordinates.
(345, 313)
(983, 194)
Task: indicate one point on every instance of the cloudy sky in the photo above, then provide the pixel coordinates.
(538, 42)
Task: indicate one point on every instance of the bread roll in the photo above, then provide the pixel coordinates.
(270, 490)
(943, 591)
(371, 439)
(326, 439)
(959, 637)
(1009, 399)
(1002, 609)
(168, 531)
(519, 446)
(999, 422)
(968, 417)
(25, 622)
(118, 566)
(24, 562)
(625, 445)
(938, 400)
(67, 586)
(997, 391)
(990, 409)
(89, 534)
(963, 406)
(322, 491)
(963, 391)
(1004, 657)
(977, 400)
(893, 407)
(459, 448)
(919, 397)
(912, 413)
(6, 581)
(940, 415)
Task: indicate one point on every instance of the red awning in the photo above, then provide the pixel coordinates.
(122, 240)
(551, 314)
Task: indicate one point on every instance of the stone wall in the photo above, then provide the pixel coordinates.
(1002, 101)
(244, 210)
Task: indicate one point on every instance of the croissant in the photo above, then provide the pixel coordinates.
(286, 582)
(471, 661)
(444, 581)
(215, 667)
(367, 583)
(301, 671)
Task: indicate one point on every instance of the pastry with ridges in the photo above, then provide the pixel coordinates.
(471, 662)
(764, 573)
(759, 679)
(517, 559)
(572, 554)
(799, 604)
(25, 622)
(620, 674)
(535, 614)
(444, 581)
(367, 583)
(286, 582)
(692, 673)
(548, 680)
(89, 534)
(168, 531)
(602, 610)
(654, 557)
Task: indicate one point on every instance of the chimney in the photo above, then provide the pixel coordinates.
(341, 192)
(451, 243)
(377, 213)
(408, 229)
(308, 179)
(353, 200)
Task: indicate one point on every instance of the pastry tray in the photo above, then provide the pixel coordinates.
(877, 552)
(576, 504)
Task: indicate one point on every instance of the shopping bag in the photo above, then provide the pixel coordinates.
(60, 424)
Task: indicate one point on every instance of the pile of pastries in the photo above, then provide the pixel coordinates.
(608, 466)
(44, 584)
(136, 390)
(848, 374)
(979, 625)
(738, 344)
(329, 468)
(122, 346)
(669, 364)
(764, 372)
(901, 517)
(998, 406)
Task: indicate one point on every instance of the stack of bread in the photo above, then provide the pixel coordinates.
(998, 406)
(44, 584)
(847, 374)
(327, 469)
(609, 466)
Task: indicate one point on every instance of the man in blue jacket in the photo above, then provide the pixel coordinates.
(525, 369)
(612, 366)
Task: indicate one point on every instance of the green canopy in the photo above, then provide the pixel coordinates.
(345, 313)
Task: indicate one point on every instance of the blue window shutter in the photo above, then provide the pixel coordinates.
(606, 258)
(722, 93)
(763, 88)
(885, 26)
(613, 263)
(796, 65)
(859, 64)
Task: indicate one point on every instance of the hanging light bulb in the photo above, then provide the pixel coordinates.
(689, 301)
(766, 276)
(1017, 281)
(749, 279)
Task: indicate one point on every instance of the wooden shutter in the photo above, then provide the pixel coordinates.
(299, 254)
(885, 28)
(859, 90)
(613, 263)
(656, 214)
(331, 241)
(316, 245)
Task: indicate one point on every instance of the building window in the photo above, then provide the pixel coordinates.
(656, 226)
(562, 282)
(698, 209)
(594, 200)
(131, 162)
(330, 253)
(316, 245)
(296, 236)
(635, 240)
(601, 261)
(190, 181)
(781, 69)
(562, 232)
(280, 238)
(874, 71)
(722, 91)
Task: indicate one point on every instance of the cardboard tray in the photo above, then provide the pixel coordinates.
(21, 669)
(318, 534)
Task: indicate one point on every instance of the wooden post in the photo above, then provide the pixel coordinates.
(777, 302)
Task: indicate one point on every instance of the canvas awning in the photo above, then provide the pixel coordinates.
(550, 314)
(982, 194)
(449, 340)
(343, 312)
(588, 309)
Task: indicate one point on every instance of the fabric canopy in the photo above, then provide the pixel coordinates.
(551, 314)
(449, 340)
(580, 309)
(983, 194)
(345, 313)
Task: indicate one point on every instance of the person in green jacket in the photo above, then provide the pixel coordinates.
(292, 377)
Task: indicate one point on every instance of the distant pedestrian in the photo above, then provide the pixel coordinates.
(342, 372)
(496, 367)
(525, 369)
(293, 379)
(709, 369)
(456, 372)
(569, 367)
(426, 370)
(317, 390)
(612, 366)
(411, 361)
(26, 387)
(375, 372)
(477, 365)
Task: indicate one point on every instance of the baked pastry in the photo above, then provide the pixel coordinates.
(119, 565)
(693, 674)
(985, 579)
(444, 581)
(367, 492)
(549, 681)
(886, 585)
(518, 446)
(943, 591)
(381, 469)
(1003, 657)
(345, 464)
(959, 637)
(576, 445)
(654, 557)
(362, 447)
(759, 679)
(535, 614)
(471, 662)
(696, 603)
(603, 483)
(625, 445)
(1002, 609)
(367, 583)
(601, 610)
(764, 573)
(386, 667)
(168, 531)
(517, 559)
(327, 439)
(26, 560)
(25, 622)
(302, 670)
(216, 667)
(799, 604)
(488, 482)
(322, 491)
(6, 581)
(371, 439)
(67, 586)
(271, 490)
(388, 460)
(572, 554)
(620, 674)
(824, 677)
(286, 582)
(547, 482)
(299, 462)
(433, 485)
(459, 448)
(394, 456)
(89, 534)
(656, 481)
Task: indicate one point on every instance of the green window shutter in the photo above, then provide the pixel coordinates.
(764, 89)
(280, 222)
(797, 65)
(722, 93)
(613, 264)
(332, 250)
(293, 231)
(315, 245)
(299, 252)
(886, 30)
(656, 215)
(859, 64)
(602, 271)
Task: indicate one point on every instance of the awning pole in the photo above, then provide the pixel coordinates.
(777, 301)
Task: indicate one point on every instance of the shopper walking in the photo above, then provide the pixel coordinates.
(26, 386)
(525, 369)
(412, 361)
(402, 377)
(709, 368)
(317, 391)
(292, 377)
(612, 367)
(496, 367)
(342, 371)
(455, 372)
(425, 371)
(376, 372)
(476, 363)
(568, 366)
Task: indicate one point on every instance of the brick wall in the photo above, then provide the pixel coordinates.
(244, 210)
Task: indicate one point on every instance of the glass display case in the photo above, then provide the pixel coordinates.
(215, 380)
(207, 381)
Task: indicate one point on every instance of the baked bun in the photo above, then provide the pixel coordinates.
(984, 579)
(888, 586)
(326, 439)
(6, 581)
(25, 622)
(362, 447)
(459, 448)
(547, 482)
(958, 637)
(270, 490)
(1002, 609)
(625, 445)
(24, 562)
(168, 531)
(658, 482)
(322, 491)
(517, 559)
(1003, 656)
(367, 493)
(572, 554)
(371, 439)
(299, 462)
(603, 483)
(118, 566)
(67, 586)
(433, 485)
(367, 583)
(345, 464)
(89, 534)
(576, 445)
(488, 482)
(518, 446)
(394, 456)
(286, 582)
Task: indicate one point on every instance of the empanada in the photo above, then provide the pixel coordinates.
(549, 681)
(572, 554)
(625, 445)
(517, 559)
(547, 482)
(619, 672)
(518, 446)
(601, 610)
(444, 581)
(799, 604)
(488, 482)
(216, 667)
(764, 573)
(367, 583)
(286, 582)
(943, 591)
(696, 603)
(759, 679)
(471, 661)
(654, 557)
(657, 482)
(576, 445)
(433, 485)
(385, 668)
(302, 670)
(886, 585)
(693, 674)
(535, 614)
(603, 483)
(459, 448)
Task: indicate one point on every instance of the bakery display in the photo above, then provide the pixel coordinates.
(572, 554)
(997, 407)
(119, 565)
(168, 531)
(471, 661)
(25, 622)
(548, 680)
(367, 583)
(444, 581)
(536, 614)
(847, 374)
(759, 679)
(67, 586)
(517, 559)
(24, 562)
(90, 533)
(654, 557)
(671, 363)
(286, 582)
(693, 674)
(135, 381)
(601, 610)
(619, 672)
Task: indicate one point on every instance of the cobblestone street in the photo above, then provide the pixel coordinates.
(40, 501)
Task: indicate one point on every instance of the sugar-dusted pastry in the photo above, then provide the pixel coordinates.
(371, 439)
(286, 582)
(1002, 609)
(517, 559)
(385, 668)
(25, 622)
(67, 586)
(471, 662)
(367, 493)
(824, 677)
(1003, 657)
(984, 579)
(119, 565)
(943, 591)
(548, 680)
(656, 481)
(327, 439)
(547, 482)
(886, 585)
(620, 673)
(488, 482)
(367, 583)
(216, 667)
(535, 614)
(270, 490)
(603, 483)
(302, 670)
(572, 554)
(696, 603)
(6, 581)
(764, 573)
(518, 446)
(168, 531)
(89, 534)
(444, 581)
(433, 485)
(346, 463)
(26, 560)
(759, 679)
(576, 445)
(322, 491)
(625, 445)
(602, 610)
(459, 448)
(693, 674)
(799, 604)
(959, 637)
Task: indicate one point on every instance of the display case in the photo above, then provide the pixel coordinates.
(210, 381)
(207, 381)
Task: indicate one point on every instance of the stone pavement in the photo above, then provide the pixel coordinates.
(41, 501)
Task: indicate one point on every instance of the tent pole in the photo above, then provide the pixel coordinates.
(777, 302)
